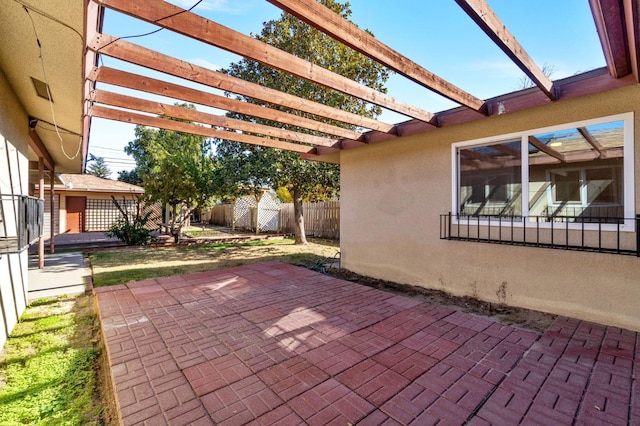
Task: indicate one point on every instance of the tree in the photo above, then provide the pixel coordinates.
(98, 167)
(130, 176)
(525, 82)
(303, 179)
(176, 170)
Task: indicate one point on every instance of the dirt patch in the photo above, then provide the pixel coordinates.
(510, 315)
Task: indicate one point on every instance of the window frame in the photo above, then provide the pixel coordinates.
(628, 172)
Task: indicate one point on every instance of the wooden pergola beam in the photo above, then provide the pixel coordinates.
(507, 150)
(480, 12)
(174, 18)
(609, 20)
(334, 25)
(632, 22)
(137, 104)
(179, 126)
(546, 149)
(591, 140)
(130, 52)
(480, 157)
(41, 151)
(158, 87)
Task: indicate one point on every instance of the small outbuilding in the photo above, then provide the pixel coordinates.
(251, 213)
(82, 203)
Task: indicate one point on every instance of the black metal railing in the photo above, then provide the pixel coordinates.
(600, 234)
(21, 222)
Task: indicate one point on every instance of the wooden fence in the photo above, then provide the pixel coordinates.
(321, 220)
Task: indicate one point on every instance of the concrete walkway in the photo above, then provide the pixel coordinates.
(277, 344)
(63, 274)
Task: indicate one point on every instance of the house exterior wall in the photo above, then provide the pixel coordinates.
(14, 175)
(90, 195)
(392, 194)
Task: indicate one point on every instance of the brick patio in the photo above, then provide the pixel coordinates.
(278, 344)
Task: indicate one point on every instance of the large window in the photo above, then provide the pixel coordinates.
(578, 172)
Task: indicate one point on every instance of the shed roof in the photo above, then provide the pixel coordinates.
(91, 183)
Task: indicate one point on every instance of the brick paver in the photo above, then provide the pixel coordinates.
(278, 344)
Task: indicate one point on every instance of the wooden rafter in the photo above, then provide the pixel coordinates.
(158, 87)
(546, 149)
(41, 151)
(507, 150)
(480, 157)
(470, 164)
(129, 52)
(137, 104)
(486, 19)
(632, 26)
(609, 19)
(178, 126)
(332, 24)
(591, 140)
(181, 21)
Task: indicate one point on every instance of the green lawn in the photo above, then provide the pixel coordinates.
(48, 366)
(121, 266)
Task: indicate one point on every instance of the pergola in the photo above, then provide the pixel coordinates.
(617, 22)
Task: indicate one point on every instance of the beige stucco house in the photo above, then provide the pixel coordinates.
(392, 229)
(41, 70)
(528, 199)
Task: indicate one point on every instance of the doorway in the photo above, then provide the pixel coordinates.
(76, 207)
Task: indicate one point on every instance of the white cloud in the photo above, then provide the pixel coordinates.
(226, 6)
(204, 63)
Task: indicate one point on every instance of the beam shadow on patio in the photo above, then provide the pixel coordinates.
(277, 344)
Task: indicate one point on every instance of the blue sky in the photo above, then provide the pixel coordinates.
(436, 34)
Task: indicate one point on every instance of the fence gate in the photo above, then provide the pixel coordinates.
(269, 214)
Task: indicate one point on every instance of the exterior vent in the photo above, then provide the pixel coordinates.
(41, 89)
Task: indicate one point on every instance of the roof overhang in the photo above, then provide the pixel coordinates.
(43, 45)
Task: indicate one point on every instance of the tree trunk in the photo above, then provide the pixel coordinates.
(258, 197)
(233, 215)
(300, 236)
(175, 231)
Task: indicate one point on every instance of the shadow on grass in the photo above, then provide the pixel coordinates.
(49, 373)
(102, 279)
(119, 267)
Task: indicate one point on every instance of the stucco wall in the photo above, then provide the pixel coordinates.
(392, 194)
(14, 175)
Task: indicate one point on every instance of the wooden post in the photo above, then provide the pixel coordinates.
(52, 212)
(41, 196)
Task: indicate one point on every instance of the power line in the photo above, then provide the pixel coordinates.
(108, 149)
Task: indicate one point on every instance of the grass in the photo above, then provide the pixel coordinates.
(207, 231)
(121, 266)
(48, 366)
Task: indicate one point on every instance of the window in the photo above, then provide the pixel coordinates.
(490, 179)
(578, 172)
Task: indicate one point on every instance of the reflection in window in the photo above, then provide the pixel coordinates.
(491, 180)
(577, 172)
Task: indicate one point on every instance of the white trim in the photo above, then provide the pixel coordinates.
(628, 166)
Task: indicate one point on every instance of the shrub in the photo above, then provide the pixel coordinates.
(131, 228)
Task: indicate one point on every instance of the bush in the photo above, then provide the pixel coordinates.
(131, 228)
